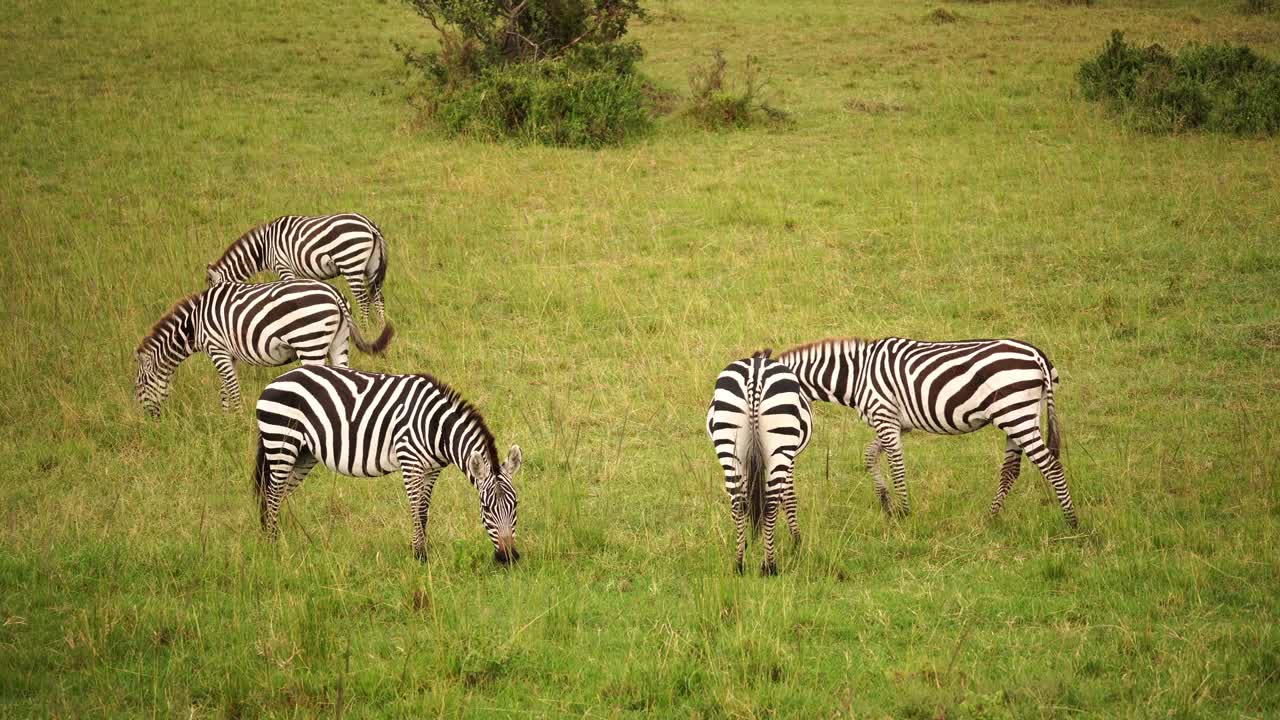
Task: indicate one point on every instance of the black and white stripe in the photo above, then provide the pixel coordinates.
(898, 385)
(369, 425)
(263, 324)
(319, 247)
(759, 421)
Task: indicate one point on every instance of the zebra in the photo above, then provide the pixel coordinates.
(950, 388)
(318, 247)
(261, 324)
(759, 421)
(369, 425)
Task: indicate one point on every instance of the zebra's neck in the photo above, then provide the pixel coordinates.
(246, 257)
(828, 370)
(174, 338)
(461, 431)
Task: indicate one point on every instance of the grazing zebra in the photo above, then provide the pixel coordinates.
(951, 388)
(320, 248)
(369, 425)
(759, 421)
(262, 324)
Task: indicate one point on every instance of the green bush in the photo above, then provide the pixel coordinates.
(1220, 88)
(556, 72)
(715, 105)
(548, 102)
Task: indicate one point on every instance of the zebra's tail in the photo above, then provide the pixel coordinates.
(368, 348)
(755, 474)
(1054, 441)
(260, 478)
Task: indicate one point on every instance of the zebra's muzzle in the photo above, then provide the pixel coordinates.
(506, 552)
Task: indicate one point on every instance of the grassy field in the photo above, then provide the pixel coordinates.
(940, 181)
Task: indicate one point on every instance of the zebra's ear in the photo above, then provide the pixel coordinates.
(514, 459)
(478, 465)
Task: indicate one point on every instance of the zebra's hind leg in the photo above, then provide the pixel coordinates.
(739, 510)
(375, 292)
(1026, 433)
(770, 519)
(340, 346)
(230, 384)
(1009, 471)
(303, 465)
(789, 506)
(271, 492)
(359, 290)
(872, 459)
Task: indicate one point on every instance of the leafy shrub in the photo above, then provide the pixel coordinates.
(715, 105)
(548, 102)
(941, 16)
(1222, 88)
(556, 72)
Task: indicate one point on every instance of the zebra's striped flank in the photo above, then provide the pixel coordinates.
(759, 421)
(898, 385)
(263, 324)
(371, 424)
(316, 247)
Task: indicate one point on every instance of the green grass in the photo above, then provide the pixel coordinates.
(585, 302)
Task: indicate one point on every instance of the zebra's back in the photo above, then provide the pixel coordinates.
(272, 323)
(351, 421)
(954, 387)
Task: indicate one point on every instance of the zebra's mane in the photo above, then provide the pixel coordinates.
(240, 241)
(827, 342)
(486, 437)
(169, 320)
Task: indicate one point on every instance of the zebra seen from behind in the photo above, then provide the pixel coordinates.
(952, 388)
(759, 421)
(261, 324)
(369, 425)
(317, 247)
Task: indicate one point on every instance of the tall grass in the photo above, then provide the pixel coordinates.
(584, 301)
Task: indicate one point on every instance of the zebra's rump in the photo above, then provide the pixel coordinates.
(321, 247)
(958, 387)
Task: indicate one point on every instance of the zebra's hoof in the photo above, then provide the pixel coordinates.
(739, 568)
(795, 538)
(420, 554)
(768, 569)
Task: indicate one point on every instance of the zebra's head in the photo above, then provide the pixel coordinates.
(151, 384)
(497, 500)
(214, 276)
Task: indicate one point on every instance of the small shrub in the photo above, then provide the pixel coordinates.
(715, 105)
(941, 16)
(556, 72)
(1220, 88)
(548, 102)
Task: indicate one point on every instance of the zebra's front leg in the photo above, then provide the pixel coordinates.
(739, 510)
(770, 519)
(872, 459)
(1009, 471)
(230, 390)
(413, 488)
(889, 437)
